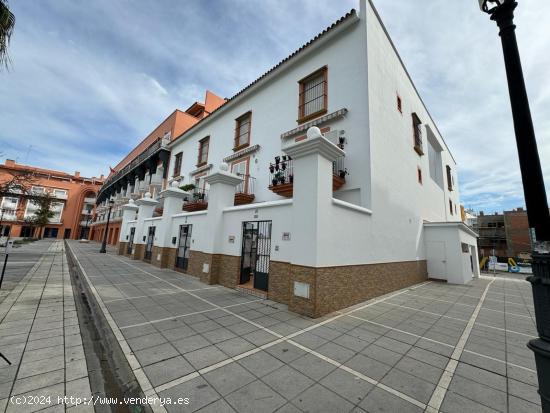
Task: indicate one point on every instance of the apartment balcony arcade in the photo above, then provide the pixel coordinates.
(281, 175)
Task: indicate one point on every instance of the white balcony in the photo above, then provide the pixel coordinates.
(89, 200)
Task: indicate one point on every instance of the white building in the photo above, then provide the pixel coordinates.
(370, 207)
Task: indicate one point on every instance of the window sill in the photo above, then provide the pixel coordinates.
(418, 150)
(238, 148)
(312, 116)
(201, 164)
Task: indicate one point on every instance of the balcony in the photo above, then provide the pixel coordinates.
(281, 175)
(198, 201)
(89, 201)
(244, 192)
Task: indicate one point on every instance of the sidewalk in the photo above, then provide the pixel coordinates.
(432, 347)
(40, 335)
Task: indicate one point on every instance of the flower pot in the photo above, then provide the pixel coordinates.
(277, 159)
(277, 167)
(271, 169)
(284, 157)
(274, 181)
(291, 178)
(282, 179)
(283, 166)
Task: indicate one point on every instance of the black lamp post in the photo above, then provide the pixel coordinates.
(502, 12)
(103, 249)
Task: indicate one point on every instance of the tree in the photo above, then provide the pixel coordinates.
(7, 23)
(43, 214)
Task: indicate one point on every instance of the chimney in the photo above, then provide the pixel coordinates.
(76, 174)
(520, 209)
(481, 213)
(10, 162)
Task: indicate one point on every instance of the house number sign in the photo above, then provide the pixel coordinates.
(286, 236)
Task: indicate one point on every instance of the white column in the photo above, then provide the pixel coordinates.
(312, 195)
(146, 207)
(220, 196)
(128, 214)
(173, 201)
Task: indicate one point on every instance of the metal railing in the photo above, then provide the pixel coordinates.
(151, 149)
(281, 171)
(246, 186)
(199, 195)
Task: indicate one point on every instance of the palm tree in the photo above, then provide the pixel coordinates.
(7, 23)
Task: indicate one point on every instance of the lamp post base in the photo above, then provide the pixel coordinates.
(541, 348)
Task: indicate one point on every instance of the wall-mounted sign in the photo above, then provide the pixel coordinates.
(174, 240)
(286, 236)
(465, 247)
(276, 248)
(231, 239)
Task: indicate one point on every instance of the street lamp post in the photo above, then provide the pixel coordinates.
(103, 249)
(502, 12)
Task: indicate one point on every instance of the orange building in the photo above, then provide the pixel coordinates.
(145, 167)
(73, 202)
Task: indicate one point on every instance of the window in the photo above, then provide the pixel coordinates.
(399, 107)
(240, 168)
(451, 206)
(449, 178)
(313, 95)
(242, 131)
(177, 164)
(59, 193)
(417, 134)
(203, 151)
(419, 171)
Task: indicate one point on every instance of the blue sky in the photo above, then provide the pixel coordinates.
(90, 79)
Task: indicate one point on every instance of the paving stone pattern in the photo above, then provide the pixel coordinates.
(40, 335)
(229, 352)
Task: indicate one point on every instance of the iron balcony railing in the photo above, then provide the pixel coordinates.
(282, 170)
(146, 154)
(246, 186)
(199, 195)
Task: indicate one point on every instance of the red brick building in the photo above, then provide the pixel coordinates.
(74, 197)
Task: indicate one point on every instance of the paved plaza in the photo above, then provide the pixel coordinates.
(20, 261)
(40, 335)
(431, 347)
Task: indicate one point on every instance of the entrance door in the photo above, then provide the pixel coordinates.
(184, 243)
(67, 233)
(149, 243)
(256, 249)
(437, 259)
(131, 241)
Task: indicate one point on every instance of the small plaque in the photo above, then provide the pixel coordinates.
(174, 240)
(465, 247)
(276, 248)
(231, 239)
(286, 236)
(205, 268)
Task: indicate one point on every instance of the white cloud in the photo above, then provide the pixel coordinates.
(90, 82)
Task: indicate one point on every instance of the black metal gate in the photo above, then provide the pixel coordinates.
(131, 240)
(184, 243)
(256, 249)
(149, 243)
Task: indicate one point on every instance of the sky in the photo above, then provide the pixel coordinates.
(89, 80)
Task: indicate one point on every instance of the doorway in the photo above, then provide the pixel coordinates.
(256, 249)
(67, 233)
(184, 244)
(149, 244)
(130, 245)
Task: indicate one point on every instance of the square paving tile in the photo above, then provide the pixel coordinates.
(318, 398)
(255, 397)
(287, 382)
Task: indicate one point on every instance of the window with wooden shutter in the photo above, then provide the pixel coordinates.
(203, 151)
(449, 178)
(242, 131)
(313, 95)
(417, 132)
(177, 164)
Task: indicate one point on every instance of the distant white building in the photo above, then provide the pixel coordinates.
(318, 222)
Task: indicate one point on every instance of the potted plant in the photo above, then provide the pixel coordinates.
(341, 142)
(274, 180)
(291, 178)
(277, 160)
(276, 166)
(281, 178)
(283, 165)
(284, 157)
(271, 168)
(342, 173)
(187, 188)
